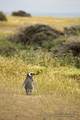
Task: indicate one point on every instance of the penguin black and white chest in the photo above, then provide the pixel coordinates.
(28, 83)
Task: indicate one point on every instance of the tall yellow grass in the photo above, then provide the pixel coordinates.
(63, 80)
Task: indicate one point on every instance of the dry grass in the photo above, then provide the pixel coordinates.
(58, 92)
(16, 22)
(41, 107)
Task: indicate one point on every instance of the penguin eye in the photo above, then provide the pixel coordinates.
(31, 74)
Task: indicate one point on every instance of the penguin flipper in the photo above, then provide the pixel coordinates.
(35, 85)
(23, 84)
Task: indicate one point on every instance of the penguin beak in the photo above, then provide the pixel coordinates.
(34, 74)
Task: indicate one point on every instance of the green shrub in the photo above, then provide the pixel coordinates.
(67, 59)
(6, 47)
(2, 17)
(36, 56)
(50, 44)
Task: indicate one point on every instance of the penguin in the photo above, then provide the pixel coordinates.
(28, 83)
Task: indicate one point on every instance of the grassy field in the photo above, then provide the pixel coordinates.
(16, 22)
(58, 95)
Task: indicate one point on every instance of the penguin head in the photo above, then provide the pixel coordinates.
(30, 74)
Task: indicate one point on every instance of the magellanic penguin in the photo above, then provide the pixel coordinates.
(28, 83)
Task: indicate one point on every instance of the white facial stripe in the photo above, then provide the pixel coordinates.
(30, 73)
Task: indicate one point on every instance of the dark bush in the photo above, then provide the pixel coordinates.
(71, 44)
(73, 30)
(21, 13)
(36, 34)
(48, 38)
(2, 17)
